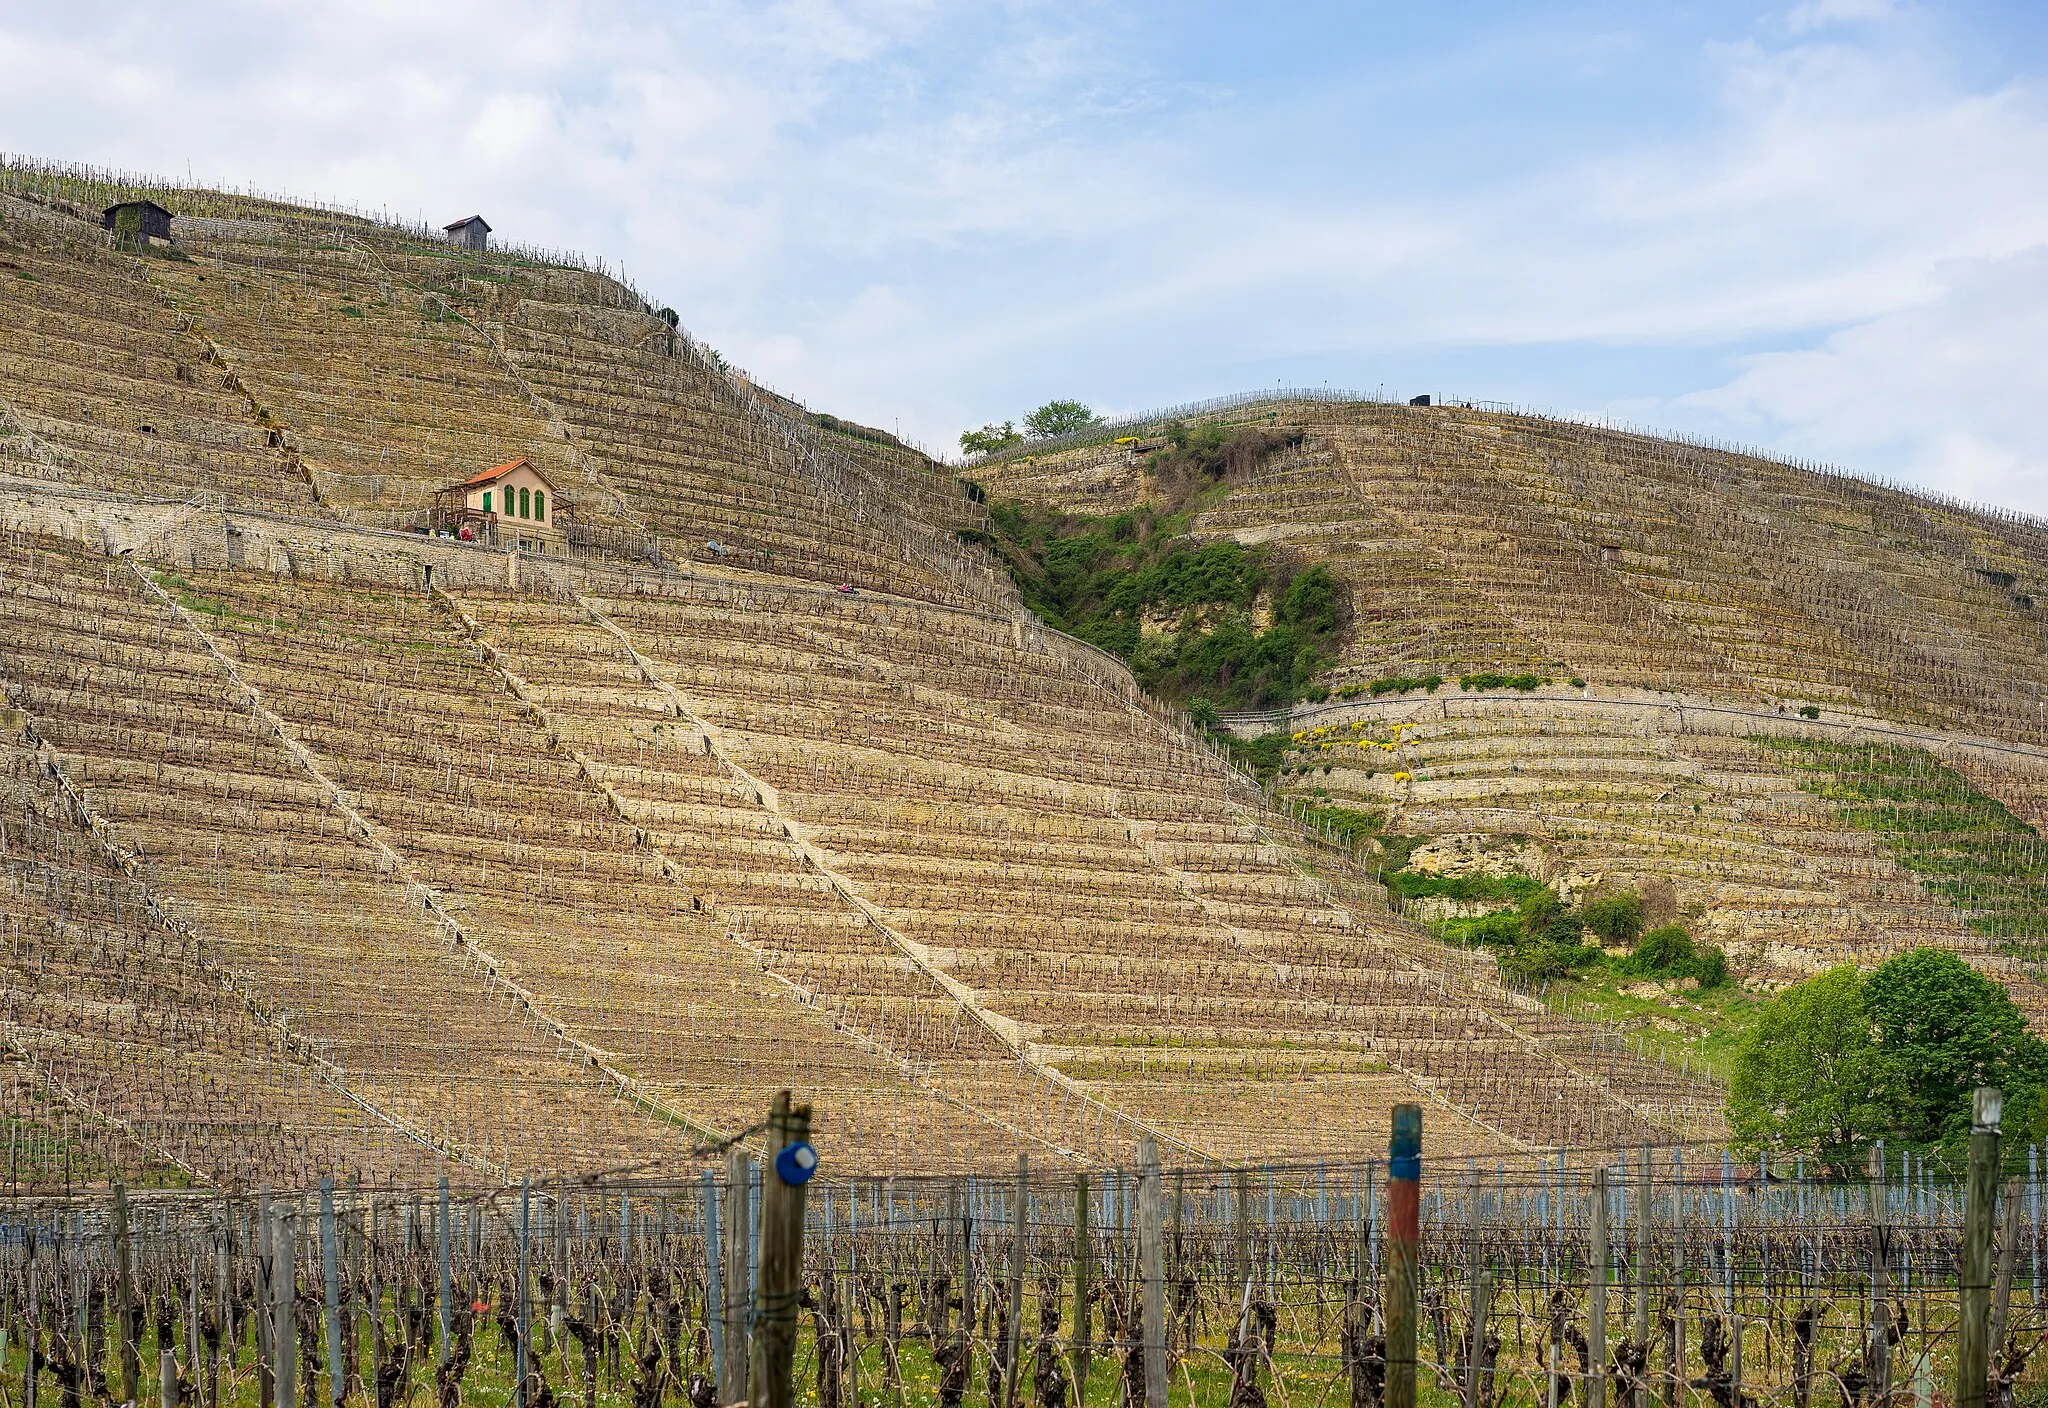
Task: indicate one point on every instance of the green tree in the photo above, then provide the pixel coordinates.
(1840, 1060)
(990, 438)
(1058, 418)
(1944, 1029)
(1808, 1075)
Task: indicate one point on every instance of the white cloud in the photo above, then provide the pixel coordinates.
(1948, 393)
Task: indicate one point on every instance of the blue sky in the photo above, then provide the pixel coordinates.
(1818, 226)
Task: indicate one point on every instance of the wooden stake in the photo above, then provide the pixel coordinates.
(1973, 1326)
(1644, 1193)
(444, 1293)
(266, 1275)
(124, 1286)
(2008, 1252)
(1404, 1238)
(1014, 1343)
(782, 1262)
(739, 1176)
(1153, 1269)
(1475, 1319)
(1879, 1351)
(1084, 1248)
(330, 1273)
(284, 1338)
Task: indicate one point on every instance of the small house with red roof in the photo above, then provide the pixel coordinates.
(509, 505)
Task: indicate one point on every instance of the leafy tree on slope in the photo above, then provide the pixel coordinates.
(1808, 1076)
(1058, 418)
(1946, 1029)
(1841, 1060)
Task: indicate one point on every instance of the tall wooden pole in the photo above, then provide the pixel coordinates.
(1475, 1323)
(443, 1290)
(284, 1335)
(1152, 1265)
(124, 1286)
(1973, 1329)
(782, 1261)
(714, 1279)
(1404, 1242)
(330, 1280)
(1014, 1345)
(266, 1273)
(739, 1177)
(2008, 1253)
(1084, 1256)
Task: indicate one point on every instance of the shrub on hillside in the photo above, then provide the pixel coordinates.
(1616, 917)
(990, 438)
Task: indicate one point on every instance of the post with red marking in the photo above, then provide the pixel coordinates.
(1404, 1242)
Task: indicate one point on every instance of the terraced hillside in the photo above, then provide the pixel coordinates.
(458, 858)
(1616, 627)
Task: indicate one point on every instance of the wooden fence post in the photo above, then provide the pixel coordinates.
(1153, 1267)
(1404, 1237)
(330, 1273)
(284, 1335)
(1475, 1322)
(1973, 1329)
(782, 1260)
(739, 1176)
(1084, 1253)
(443, 1275)
(266, 1274)
(124, 1286)
(2008, 1253)
(714, 1280)
(1013, 1346)
(521, 1314)
(965, 1196)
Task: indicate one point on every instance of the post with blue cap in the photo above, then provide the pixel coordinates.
(1973, 1327)
(1404, 1242)
(792, 1162)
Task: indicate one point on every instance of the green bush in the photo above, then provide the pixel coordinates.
(1709, 967)
(1402, 684)
(1525, 683)
(1538, 961)
(1664, 949)
(1809, 711)
(1616, 917)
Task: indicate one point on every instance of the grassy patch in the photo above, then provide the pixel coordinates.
(1962, 845)
(1704, 1027)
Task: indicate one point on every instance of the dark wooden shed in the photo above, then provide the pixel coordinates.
(153, 222)
(472, 234)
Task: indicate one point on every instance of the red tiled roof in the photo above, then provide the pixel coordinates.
(485, 476)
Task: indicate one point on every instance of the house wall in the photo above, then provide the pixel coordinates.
(510, 525)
